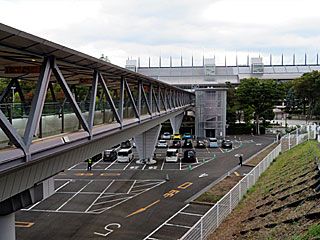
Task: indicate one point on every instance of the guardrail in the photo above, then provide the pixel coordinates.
(214, 217)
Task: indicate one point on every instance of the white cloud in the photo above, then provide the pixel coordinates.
(124, 28)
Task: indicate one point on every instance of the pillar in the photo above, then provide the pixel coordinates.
(146, 143)
(7, 227)
(176, 123)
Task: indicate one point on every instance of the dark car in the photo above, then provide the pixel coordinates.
(187, 143)
(200, 144)
(226, 144)
(125, 144)
(110, 155)
(176, 144)
(189, 156)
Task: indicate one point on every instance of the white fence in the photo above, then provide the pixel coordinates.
(214, 217)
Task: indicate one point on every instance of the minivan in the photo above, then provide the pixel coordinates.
(189, 156)
(125, 155)
(110, 155)
(213, 142)
(172, 155)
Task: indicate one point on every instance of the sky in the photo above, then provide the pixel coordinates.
(224, 29)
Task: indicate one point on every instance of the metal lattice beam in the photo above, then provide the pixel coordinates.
(109, 98)
(93, 100)
(146, 99)
(12, 134)
(37, 102)
(68, 93)
(131, 98)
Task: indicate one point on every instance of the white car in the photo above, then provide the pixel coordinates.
(162, 144)
(172, 155)
(125, 155)
(166, 136)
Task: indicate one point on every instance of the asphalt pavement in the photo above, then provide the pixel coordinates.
(130, 200)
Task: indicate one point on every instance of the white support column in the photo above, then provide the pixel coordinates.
(7, 227)
(176, 123)
(146, 143)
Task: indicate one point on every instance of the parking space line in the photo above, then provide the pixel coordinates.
(175, 225)
(163, 164)
(99, 196)
(128, 164)
(73, 196)
(96, 162)
(62, 186)
(74, 166)
(220, 149)
(110, 165)
(154, 231)
(191, 214)
(208, 150)
(113, 200)
(131, 186)
(144, 166)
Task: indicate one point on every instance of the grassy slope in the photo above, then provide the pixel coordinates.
(287, 180)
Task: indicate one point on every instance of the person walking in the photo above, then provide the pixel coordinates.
(89, 164)
(240, 160)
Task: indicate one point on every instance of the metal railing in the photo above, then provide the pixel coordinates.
(214, 217)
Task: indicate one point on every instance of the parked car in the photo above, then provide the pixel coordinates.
(187, 143)
(125, 155)
(110, 155)
(172, 155)
(187, 136)
(226, 144)
(176, 144)
(213, 142)
(200, 144)
(162, 144)
(189, 156)
(176, 136)
(126, 144)
(166, 136)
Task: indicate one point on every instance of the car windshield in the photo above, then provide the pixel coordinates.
(212, 139)
(228, 141)
(123, 154)
(166, 133)
(190, 154)
(171, 154)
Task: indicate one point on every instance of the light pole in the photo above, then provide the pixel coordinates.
(13, 88)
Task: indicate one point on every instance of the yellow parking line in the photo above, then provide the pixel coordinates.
(24, 224)
(237, 174)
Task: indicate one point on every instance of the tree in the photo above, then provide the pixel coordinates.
(260, 95)
(308, 87)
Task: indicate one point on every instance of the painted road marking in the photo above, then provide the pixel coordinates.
(108, 230)
(110, 174)
(143, 209)
(99, 196)
(237, 174)
(24, 224)
(169, 219)
(73, 196)
(84, 174)
(175, 225)
(110, 165)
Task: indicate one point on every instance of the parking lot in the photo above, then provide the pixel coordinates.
(130, 200)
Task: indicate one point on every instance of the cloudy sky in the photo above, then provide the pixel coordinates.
(122, 29)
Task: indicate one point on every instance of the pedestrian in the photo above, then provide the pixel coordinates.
(240, 160)
(89, 164)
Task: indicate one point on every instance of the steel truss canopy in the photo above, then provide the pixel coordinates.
(27, 57)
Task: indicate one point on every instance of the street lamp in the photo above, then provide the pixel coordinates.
(13, 88)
